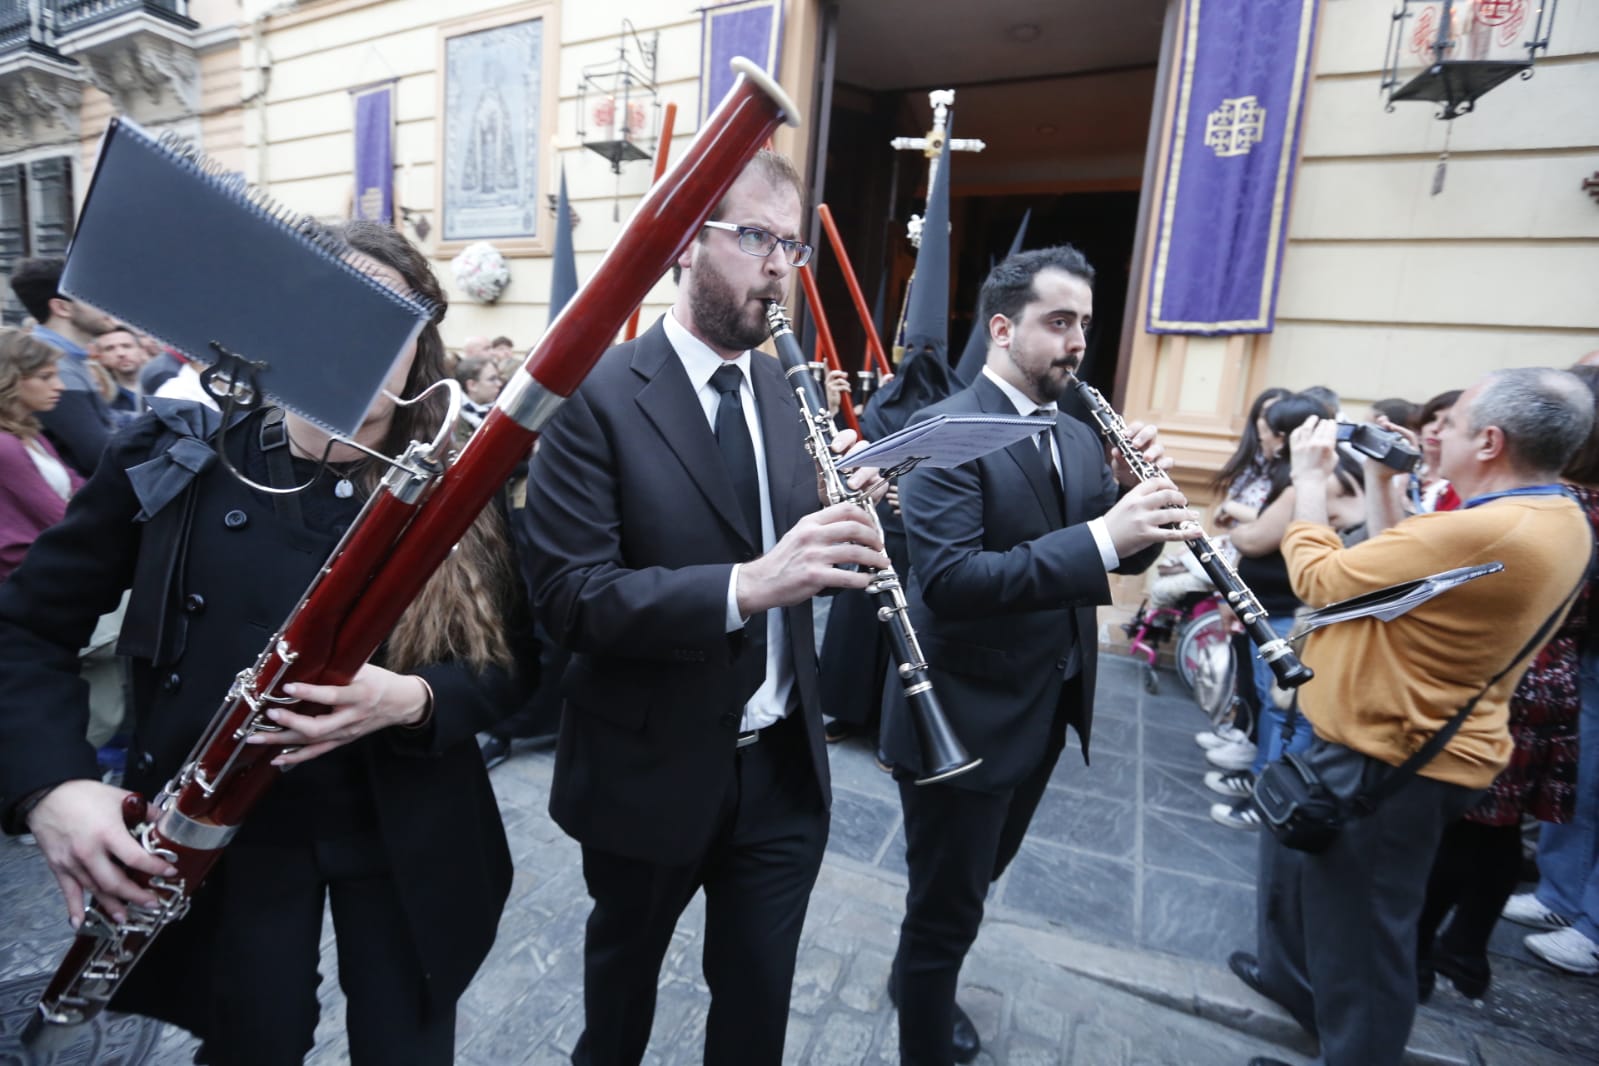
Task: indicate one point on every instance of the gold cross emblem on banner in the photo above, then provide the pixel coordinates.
(1236, 126)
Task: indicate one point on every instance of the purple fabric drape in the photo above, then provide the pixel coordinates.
(1223, 216)
(374, 154)
(749, 28)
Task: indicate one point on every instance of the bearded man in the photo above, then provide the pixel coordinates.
(674, 543)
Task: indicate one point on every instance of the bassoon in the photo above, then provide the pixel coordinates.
(409, 526)
(943, 756)
(1278, 654)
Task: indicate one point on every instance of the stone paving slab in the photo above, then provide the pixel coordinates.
(1105, 943)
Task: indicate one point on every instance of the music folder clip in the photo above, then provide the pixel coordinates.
(944, 440)
(1386, 604)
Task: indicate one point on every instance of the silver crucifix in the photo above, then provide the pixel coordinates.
(930, 146)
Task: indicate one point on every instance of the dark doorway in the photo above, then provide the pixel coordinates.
(1100, 224)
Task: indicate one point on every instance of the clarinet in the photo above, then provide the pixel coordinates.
(943, 756)
(1285, 665)
(403, 534)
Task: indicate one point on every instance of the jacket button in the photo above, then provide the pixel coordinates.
(171, 682)
(194, 603)
(235, 519)
(731, 719)
(146, 761)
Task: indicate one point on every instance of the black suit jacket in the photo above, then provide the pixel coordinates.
(634, 530)
(241, 572)
(996, 582)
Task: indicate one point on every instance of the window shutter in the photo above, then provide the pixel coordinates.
(13, 231)
(52, 202)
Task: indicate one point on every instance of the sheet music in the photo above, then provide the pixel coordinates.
(947, 440)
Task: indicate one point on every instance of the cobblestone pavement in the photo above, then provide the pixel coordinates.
(1104, 942)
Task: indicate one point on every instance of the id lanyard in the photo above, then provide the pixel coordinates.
(1525, 490)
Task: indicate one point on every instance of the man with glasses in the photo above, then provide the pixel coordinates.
(674, 543)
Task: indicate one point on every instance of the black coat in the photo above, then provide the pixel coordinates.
(243, 570)
(996, 582)
(635, 529)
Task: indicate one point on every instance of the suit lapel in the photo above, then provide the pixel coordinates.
(667, 399)
(1073, 474)
(778, 412)
(1024, 452)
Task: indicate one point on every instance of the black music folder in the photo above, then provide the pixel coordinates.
(175, 247)
(945, 440)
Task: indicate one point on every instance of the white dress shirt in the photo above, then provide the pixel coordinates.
(1025, 406)
(770, 702)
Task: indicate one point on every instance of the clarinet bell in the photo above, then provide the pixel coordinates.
(1290, 672)
(943, 755)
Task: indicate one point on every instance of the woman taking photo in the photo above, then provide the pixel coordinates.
(387, 816)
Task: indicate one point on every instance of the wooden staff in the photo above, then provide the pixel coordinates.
(661, 157)
(824, 344)
(873, 345)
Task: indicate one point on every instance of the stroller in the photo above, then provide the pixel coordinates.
(1204, 655)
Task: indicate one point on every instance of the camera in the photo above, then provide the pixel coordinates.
(1389, 449)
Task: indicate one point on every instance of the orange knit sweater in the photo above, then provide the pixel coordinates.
(1383, 688)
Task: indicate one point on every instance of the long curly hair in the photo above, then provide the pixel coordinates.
(460, 613)
(21, 357)
(1248, 450)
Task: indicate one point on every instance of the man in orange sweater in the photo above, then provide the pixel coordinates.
(1337, 930)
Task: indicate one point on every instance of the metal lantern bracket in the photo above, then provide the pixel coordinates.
(621, 83)
(1453, 82)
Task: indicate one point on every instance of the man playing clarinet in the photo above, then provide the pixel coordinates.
(1009, 556)
(672, 513)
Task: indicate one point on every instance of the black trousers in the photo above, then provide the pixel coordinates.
(1337, 931)
(263, 1001)
(1474, 874)
(958, 842)
(757, 875)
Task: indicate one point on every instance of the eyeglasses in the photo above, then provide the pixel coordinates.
(758, 242)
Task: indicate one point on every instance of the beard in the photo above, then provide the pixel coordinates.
(1048, 380)
(726, 318)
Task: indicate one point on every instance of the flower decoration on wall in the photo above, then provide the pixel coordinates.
(481, 272)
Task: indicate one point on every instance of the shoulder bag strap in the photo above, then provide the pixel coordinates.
(1367, 801)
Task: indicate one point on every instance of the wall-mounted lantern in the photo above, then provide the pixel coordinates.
(1450, 52)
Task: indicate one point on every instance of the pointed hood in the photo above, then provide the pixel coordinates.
(563, 279)
(923, 376)
(976, 352)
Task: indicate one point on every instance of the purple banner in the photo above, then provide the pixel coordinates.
(374, 153)
(749, 28)
(1223, 215)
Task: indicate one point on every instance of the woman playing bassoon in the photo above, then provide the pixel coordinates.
(387, 817)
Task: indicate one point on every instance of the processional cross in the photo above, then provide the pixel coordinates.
(930, 146)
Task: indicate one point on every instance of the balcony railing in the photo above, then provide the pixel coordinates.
(43, 23)
(71, 15)
(17, 25)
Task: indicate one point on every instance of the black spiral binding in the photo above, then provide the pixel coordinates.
(306, 228)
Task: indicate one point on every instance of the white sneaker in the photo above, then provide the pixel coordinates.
(1239, 814)
(1234, 755)
(1524, 909)
(1210, 739)
(1234, 783)
(1565, 949)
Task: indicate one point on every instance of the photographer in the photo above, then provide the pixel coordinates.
(1337, 927)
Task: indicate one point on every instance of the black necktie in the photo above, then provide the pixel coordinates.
(1051, 471)
(738, 452)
